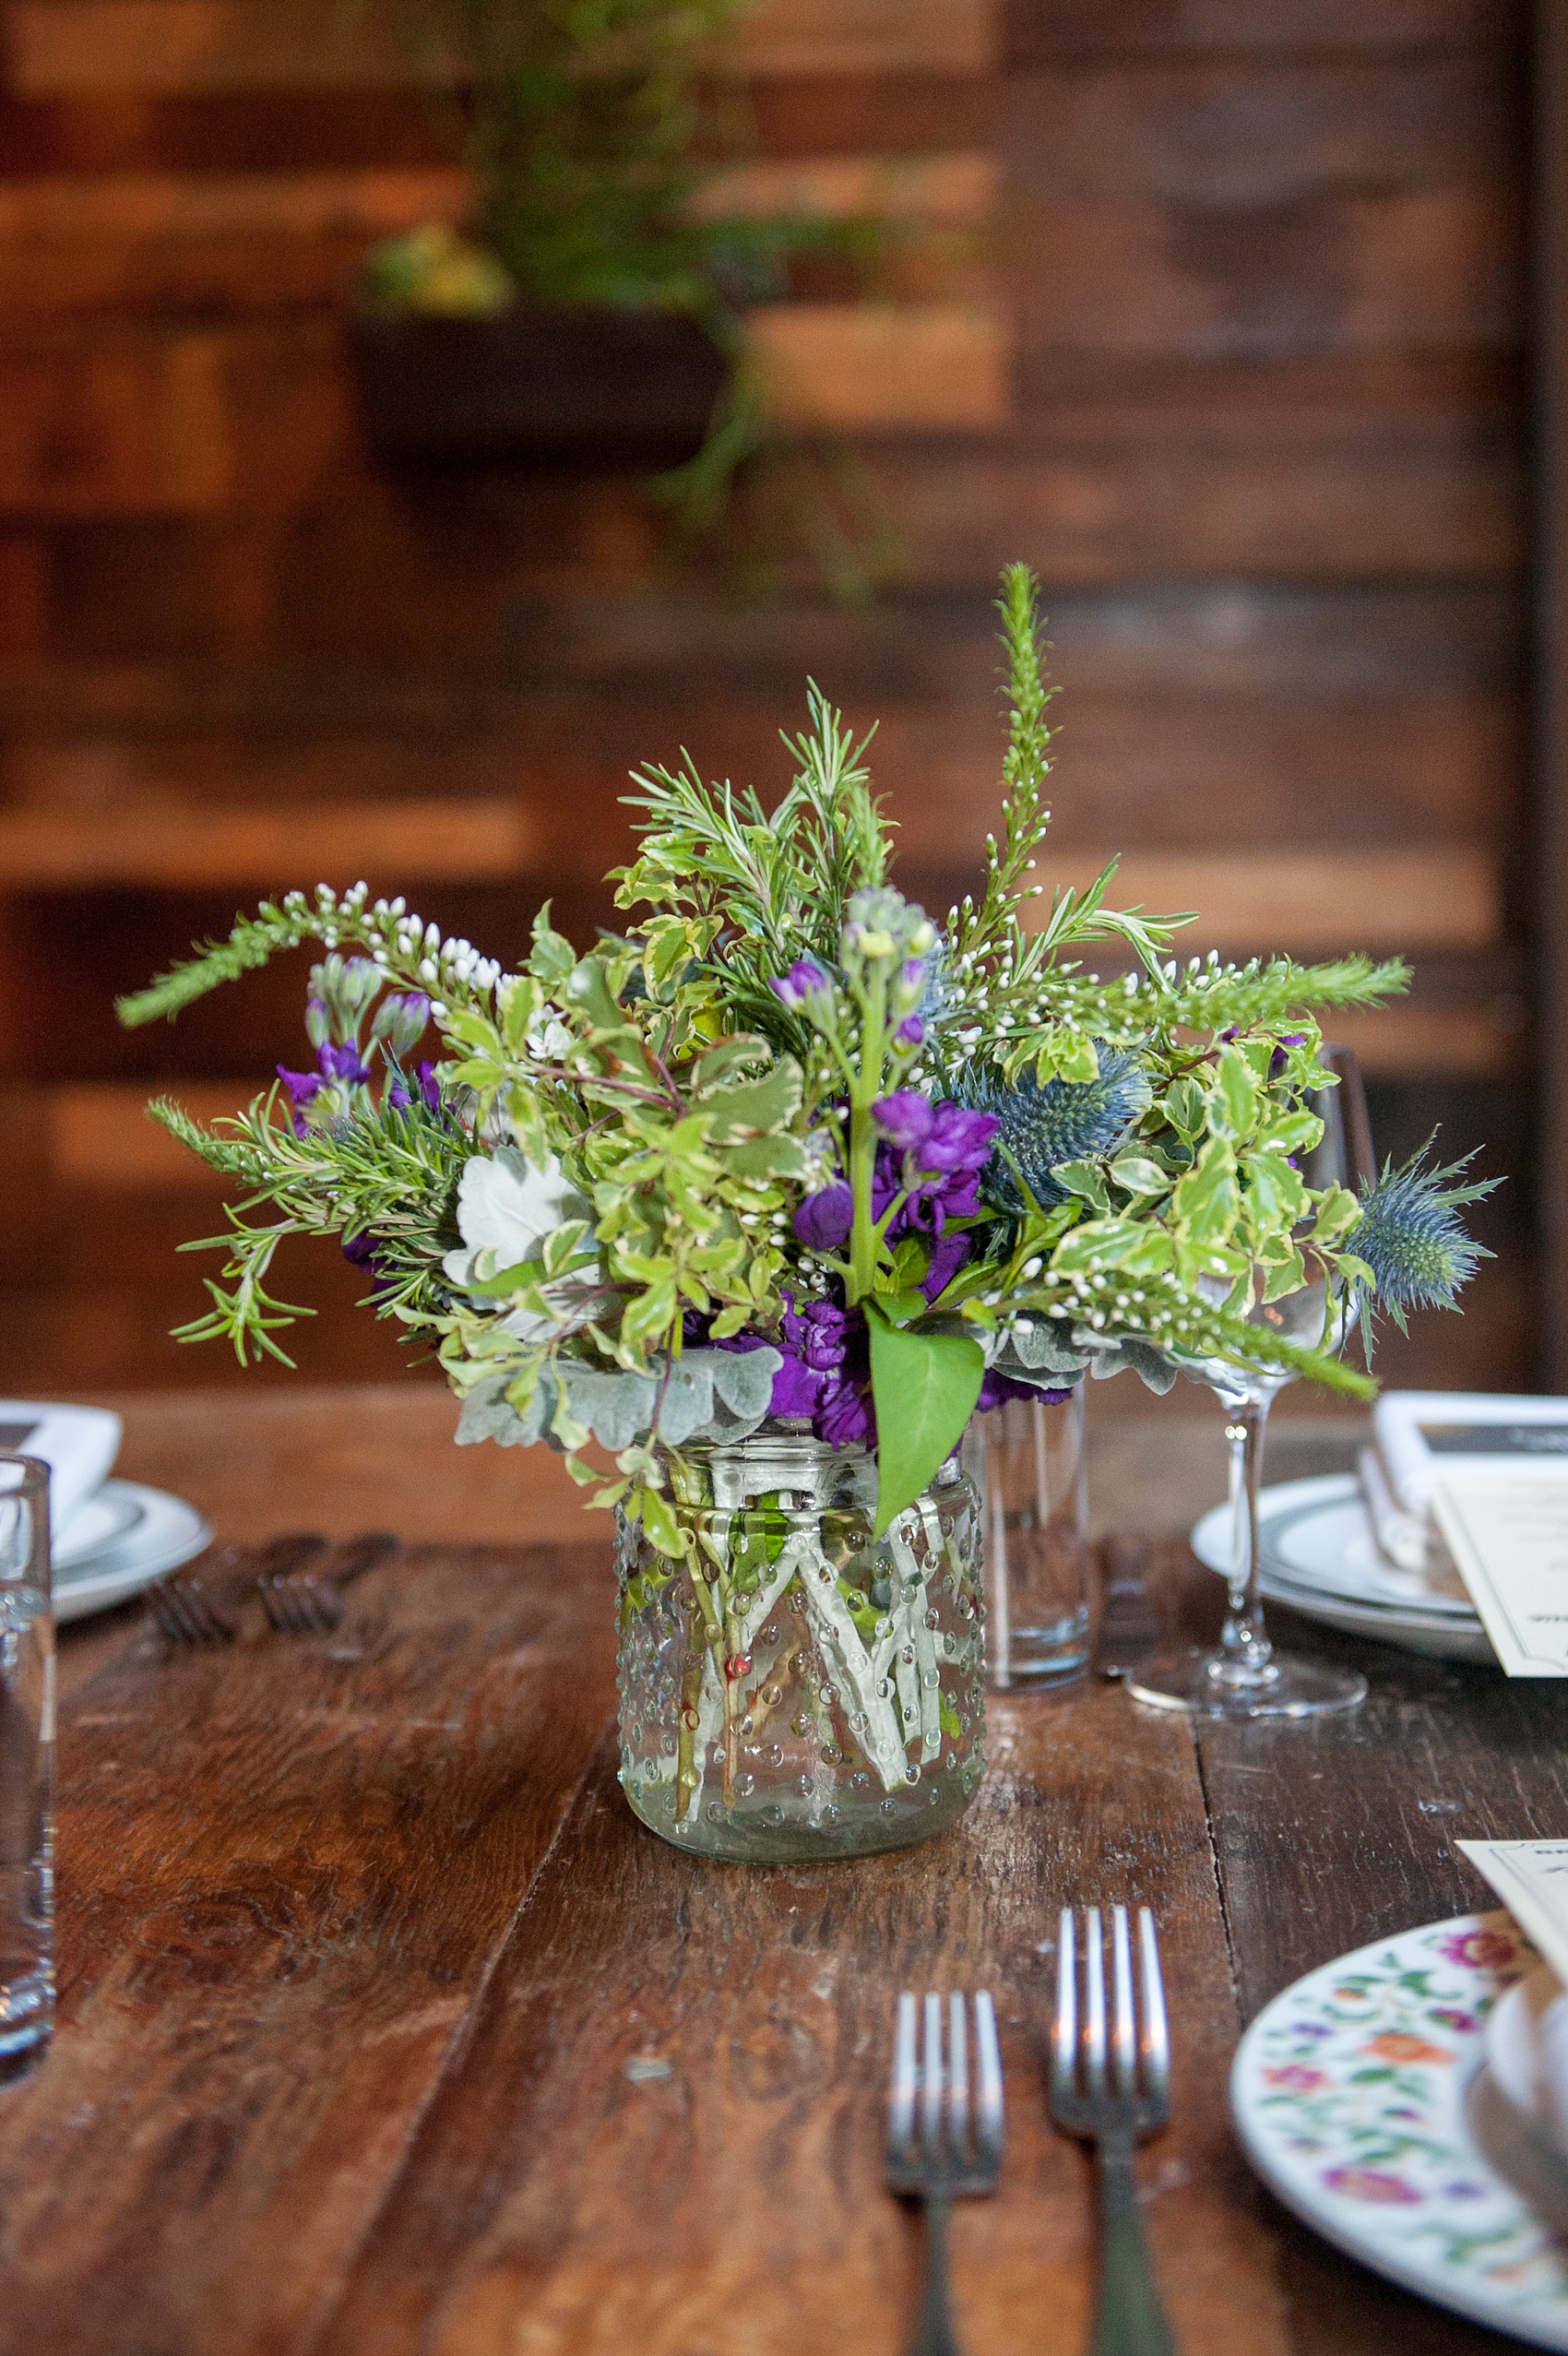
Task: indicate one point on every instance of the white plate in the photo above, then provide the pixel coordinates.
(1350, 2093)
(100, 1521)
(167, 1532)
(1320, 1558)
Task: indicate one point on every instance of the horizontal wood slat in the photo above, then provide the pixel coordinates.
(867, 365)
(178, 847)
(960, 189)
(1390, 270)
(1308, 899)
(248, 243)
(166, 45)
(1230, 132)
(102, 1136)
(256, 241)
(1258, 29)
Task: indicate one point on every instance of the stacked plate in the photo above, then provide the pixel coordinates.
(1320, 1558)
(117, 1542)
(1394, 2100)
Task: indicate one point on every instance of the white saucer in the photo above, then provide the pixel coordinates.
(1353, 2095)
(1320, 1558)
(99, 1522)
(164, 1533)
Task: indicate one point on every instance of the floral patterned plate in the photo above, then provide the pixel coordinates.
(1349, 2095)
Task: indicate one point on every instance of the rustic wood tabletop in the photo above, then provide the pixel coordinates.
(385, 2028)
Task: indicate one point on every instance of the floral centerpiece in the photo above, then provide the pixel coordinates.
(793, 1177)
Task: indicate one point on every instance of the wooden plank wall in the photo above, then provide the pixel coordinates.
(1235, 364)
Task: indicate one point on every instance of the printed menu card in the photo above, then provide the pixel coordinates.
(1505, 1519)
(1531, 1878)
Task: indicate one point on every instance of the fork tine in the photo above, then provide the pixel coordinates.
(988, 2076)
(1064, 2042)
(1094, 2025)
(1156, 2028)
(930, 2078)
(1123, 2031)
(901, 2093)
(958, 2076)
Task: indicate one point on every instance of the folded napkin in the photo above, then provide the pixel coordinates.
(1410, 1540)
(79, 1445)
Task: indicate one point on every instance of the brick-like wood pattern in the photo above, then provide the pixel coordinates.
(1215, 313)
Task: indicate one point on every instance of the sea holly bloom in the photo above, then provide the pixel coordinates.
(1410, 1237)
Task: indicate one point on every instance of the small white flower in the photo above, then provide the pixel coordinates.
(507, 1207)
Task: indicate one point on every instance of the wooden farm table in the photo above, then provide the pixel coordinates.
(385, 2029)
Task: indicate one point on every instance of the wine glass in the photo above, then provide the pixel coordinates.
(1244, 1676)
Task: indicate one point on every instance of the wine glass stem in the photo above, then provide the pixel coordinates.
(1244, 1647)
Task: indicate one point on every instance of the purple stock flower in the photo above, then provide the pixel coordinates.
(905, 1119)
(910, 1031)
(343, 1063)
(804, 980)
(948, 1255)
(826, 1374)
(1277, 1061)
(996, 1390)
(399, 1099)
(304, 1086)
(822, 1220)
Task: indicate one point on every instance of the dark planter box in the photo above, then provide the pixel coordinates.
(536, 386)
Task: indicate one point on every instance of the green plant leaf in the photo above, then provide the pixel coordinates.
(925, 1386)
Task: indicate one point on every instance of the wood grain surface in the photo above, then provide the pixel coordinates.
(385, 2028)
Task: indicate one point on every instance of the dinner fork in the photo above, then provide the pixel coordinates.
(942, 2146)
(183, 1612)
(1115, 2106)
(301, 1603)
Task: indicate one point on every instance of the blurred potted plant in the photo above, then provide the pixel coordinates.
(589, 313)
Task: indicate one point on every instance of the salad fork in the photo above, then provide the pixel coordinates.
(940, 2145)
(301, 1602)
(1113, 2101)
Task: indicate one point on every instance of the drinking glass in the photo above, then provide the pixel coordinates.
(26, 1767)
(1027, 1459)
(1245, 1677)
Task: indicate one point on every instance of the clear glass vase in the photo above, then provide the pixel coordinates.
(795, 1687)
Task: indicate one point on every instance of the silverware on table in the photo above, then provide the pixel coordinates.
(944, 2139)
(1113, 2091)
(185, 1608)
(301, 1602)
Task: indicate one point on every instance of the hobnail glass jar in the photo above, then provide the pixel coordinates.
(797, 1688)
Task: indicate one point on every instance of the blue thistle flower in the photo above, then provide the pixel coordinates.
(1410, 1237)
(1063, 1121)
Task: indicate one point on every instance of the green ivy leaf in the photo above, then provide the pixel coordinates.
(1207, 1200)
(760, 1106)
(925, 1386)
(1234, 1100)
(1186, 1107)
(1087, 1180)
(1137, 1174)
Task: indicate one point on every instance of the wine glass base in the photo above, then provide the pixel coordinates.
(1206, 1684)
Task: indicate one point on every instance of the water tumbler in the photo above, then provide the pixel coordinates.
(26, 1767)
(1027, 1459)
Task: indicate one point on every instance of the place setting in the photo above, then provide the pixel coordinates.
(796, 1226)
